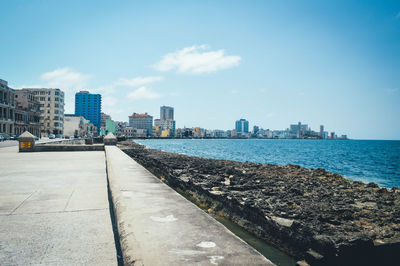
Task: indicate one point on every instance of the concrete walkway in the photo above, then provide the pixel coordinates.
(157, 226)
(54, 209)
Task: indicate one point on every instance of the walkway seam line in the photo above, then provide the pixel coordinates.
(69, 198)
(22, 202)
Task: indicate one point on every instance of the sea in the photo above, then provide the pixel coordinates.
(376, 161)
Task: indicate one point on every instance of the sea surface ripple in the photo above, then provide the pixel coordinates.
(375, 161)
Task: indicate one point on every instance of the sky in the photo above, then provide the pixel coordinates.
(274, 63)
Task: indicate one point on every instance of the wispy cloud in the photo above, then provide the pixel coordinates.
(235, 91)
(65, 78)
(138, 81)
(143, 93)
(398, 15)
(196, 60)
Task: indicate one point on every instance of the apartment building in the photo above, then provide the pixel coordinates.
(7, 109)
(51, 109)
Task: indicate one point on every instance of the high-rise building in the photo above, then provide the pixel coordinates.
(321, 131)
(88, 105)
(298, 130)
(166, 113)
(256, 129)
(51, 102)
(142, 121)
(7, 109)
(242, 126)
(27, 113)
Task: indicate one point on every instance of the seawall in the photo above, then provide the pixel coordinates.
(311, 214)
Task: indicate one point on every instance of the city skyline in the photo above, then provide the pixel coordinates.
(335, 64)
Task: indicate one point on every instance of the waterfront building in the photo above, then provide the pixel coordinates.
(298, 130)
(103, 119)
(88, 105)
(142, 121)
(110, 126)
(74, 125)
(255, 129)
(166, 113)
(166, 125)
(127, 132)
(27, 113)
(157, 131)
(321, 131)
(51, 102)
(7, 109)
(242, 126)
(199, 132)
(166, 133)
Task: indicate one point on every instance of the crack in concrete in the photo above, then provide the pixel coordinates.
(70, 196)
(11, 213)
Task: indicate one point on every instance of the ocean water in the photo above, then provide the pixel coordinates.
(375, 161)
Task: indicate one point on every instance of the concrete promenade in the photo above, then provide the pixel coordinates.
(54, 209)
(157, 226)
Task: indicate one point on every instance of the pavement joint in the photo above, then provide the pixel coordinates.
(87, 210)
(11, 213)
(70, 196)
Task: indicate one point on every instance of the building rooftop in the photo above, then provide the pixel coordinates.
(140, 115)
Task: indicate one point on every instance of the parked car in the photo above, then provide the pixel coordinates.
(1, 138)
(15, 137)
(52, 136)
(36, 138)
(6, 137)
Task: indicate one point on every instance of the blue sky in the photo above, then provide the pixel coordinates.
(275, 63)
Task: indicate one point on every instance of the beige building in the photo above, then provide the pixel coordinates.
(7, 109)
(27, 113)
(51, 110)
(74, 125)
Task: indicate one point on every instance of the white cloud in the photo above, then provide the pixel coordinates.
(143, 93)
(65, 78)
(109, 101)
(138, 81)
(196, 60)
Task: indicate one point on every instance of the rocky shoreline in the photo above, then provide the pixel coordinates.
(311, 214)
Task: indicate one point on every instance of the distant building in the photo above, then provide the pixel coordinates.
(242, 126)
(166, 113)
(104, 117)
(141, 121)
(166, 125)
(51, 109)
(88, 105)
(127, 132)
(110, 126)
(298, 130)
(7, 109)
(27, 113)
(74, 125)
(256, 129)
(321, 131)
